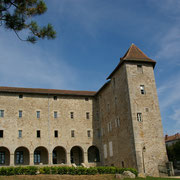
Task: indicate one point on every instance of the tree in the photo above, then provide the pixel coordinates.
(17, 15)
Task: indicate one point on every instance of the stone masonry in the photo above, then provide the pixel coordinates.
(119, 125)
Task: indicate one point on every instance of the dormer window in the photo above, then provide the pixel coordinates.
(139, 68)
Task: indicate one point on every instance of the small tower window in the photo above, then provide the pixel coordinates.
(1, 133)
(72, 133)
(86, 99)
(55, 98)
(38, 133)
(89, 133)
(55, 114)
(72, 115)
(139, 68)
(20, 96)
(38, 114)
(20, 134)
(20, 114)
(142, 88)
(55, 133)
(139, 117)
(87, 115)
(1, 113)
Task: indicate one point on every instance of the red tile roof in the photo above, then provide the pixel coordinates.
(133, 54)
(172, 138)
(46, 91)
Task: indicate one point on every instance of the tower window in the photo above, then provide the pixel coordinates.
(139, 68)
(86, 99)
(72, 115)
(56, 134)
(20, 96)
(55, 114)
(55, 98)
(89, 133)
(72, 133)
(38, 133)
(20, 134)
(142, 88)
(139, 117)
(87, 115)
(1, 133)
(1, 113)
(2, 157)
(20, 114)
(38, 114)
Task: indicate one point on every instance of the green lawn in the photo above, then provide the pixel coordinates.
(71, 177)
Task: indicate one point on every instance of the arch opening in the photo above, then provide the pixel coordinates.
(93, 154)
(59, 155)
(4, 156)
(21, 156)
(41, 155)
(76, 155)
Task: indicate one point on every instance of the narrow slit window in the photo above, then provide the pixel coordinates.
(55, 133)
(38, 114)
(142, 88)
(20, 114)
(1, 133)
(55, 114)
(89, 133)
(1, 113)
(38, 133)
(87, 115)
(139, 117)
(72, 133)
(72, 115)
(20, 134)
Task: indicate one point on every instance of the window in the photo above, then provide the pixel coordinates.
(123, 164)
(109, 127)
(20, 114)
(55, 133)
(20, 96)
(20, 134)
(139, 117)
(147, 109)
(2, 157)
(86, 99)
(89, 133)
(110, 149)
(38, 114)
(1, 133)
(72, 133)
(38, 133)
(105, 151)
(1, 113)
(142, 89)
(37, 157)
(72, 115)
(55, 98)
(118, 121)
(19, 157)
(139, 68)
(55, 114)
(87, 115)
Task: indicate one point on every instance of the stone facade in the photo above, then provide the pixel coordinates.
(120, 125)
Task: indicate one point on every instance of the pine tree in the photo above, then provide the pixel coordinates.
(17, 15)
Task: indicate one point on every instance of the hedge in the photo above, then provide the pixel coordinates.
(33, 170)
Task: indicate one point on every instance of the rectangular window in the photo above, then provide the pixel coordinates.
(105, 151)
(55, 98)
(37, 157)
(110, 149)
(20, 114)
(55, 133)
(139, 68)
(2, 157)
(139, 117)
(72, 115)
(1, 113)
(19, 157)
(86, 99)
(87, 115)
(118, 121)
(89, 133)
(109, 127)
(55, 114)
(20, 134)
(38, 133)
(20, 96)
(38, 114)
(72, 133)
(142, 88)
(1, 133)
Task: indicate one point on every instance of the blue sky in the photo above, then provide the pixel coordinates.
(91, 37)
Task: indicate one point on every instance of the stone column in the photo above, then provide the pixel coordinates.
(50, 159)
(85, 158)
(31, 159)
(12, 159)
(68, 158)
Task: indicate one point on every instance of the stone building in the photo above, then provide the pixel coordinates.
(119, 125)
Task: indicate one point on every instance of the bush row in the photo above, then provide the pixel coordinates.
(33, 170)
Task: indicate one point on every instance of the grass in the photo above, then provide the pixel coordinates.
(71, 177)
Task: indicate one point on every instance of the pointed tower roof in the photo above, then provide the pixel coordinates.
(133, 54)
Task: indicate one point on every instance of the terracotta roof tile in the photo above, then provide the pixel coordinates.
(133, 54)
(172, 138)
(46, 91)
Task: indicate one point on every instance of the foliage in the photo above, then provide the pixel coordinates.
(33, 170)
(173, 151)
(17, 15)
